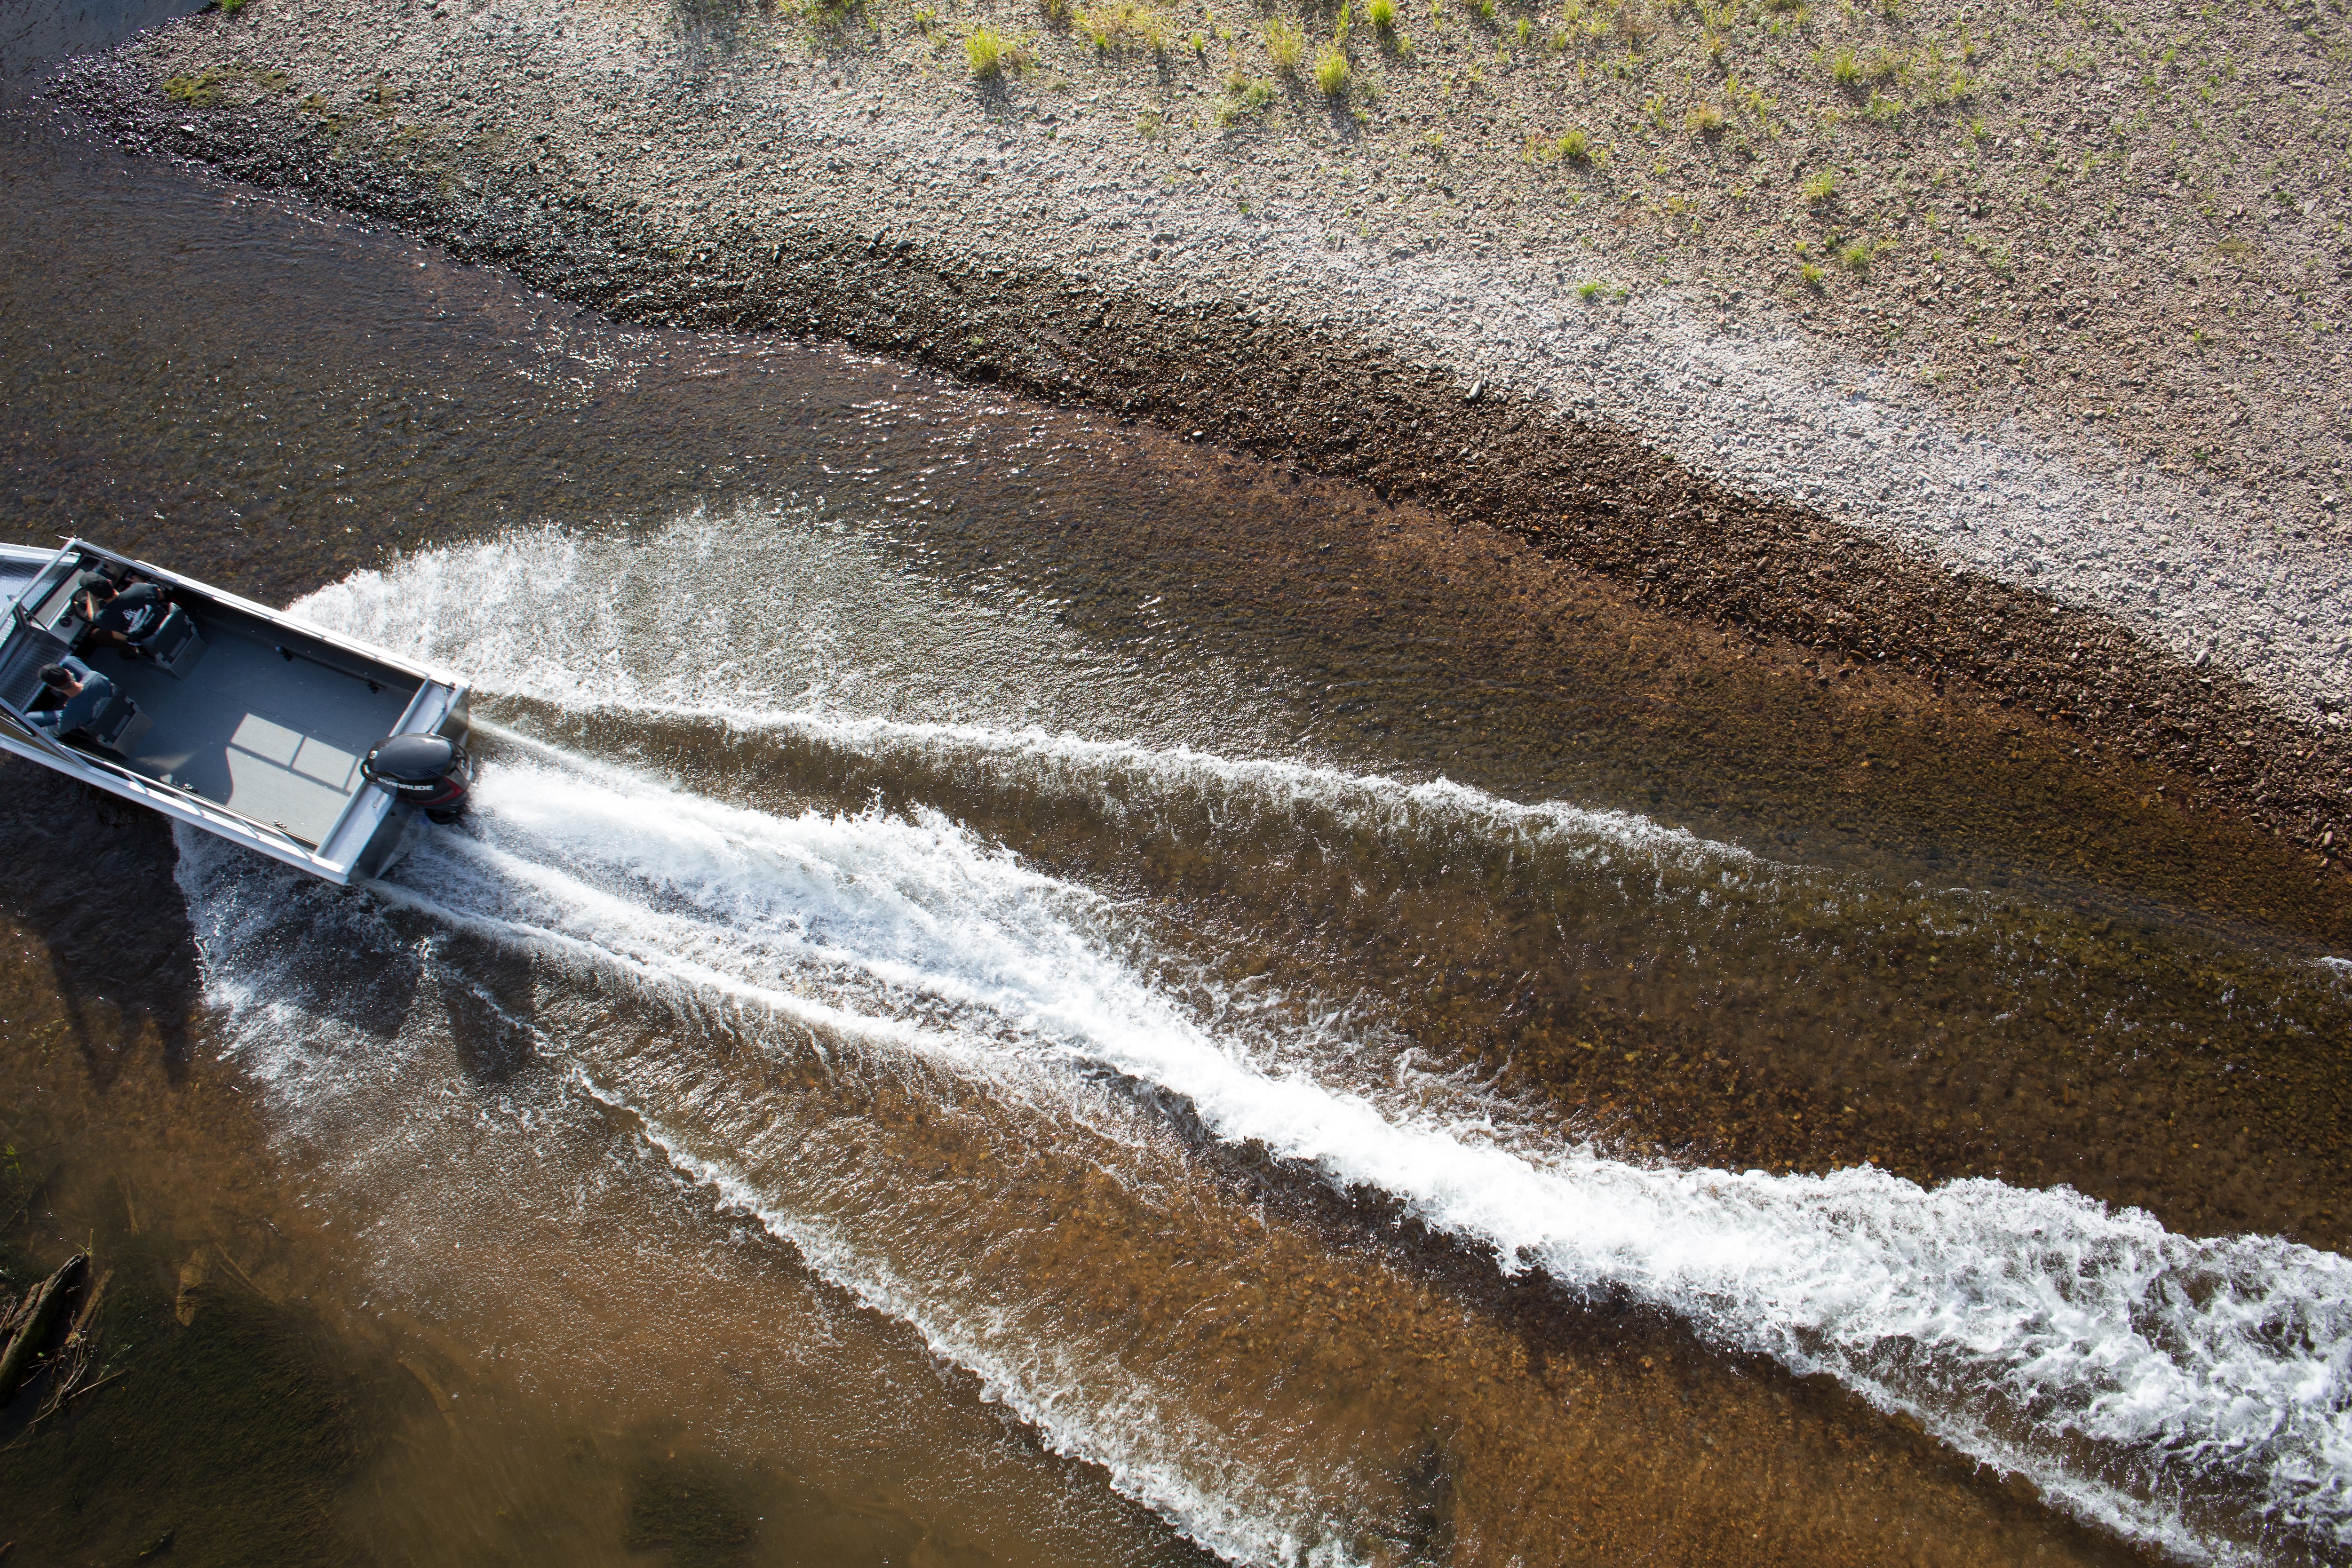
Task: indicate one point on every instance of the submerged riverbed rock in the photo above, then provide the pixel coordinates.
(1917, 460)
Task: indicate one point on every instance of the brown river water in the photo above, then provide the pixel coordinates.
(1020, 990)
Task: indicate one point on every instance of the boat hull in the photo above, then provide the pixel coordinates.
(249, 724)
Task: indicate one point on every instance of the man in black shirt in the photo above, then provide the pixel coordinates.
(122, 618)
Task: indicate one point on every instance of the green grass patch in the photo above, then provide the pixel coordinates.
(193, 91)
(1286, 45)
(1246, 97)
(1331, 71)
(984, 47)
(1122, 24)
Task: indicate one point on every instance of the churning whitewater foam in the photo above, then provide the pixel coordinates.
(774, 622)
(2156, 1383)
(770, 609)
(2190, 1393)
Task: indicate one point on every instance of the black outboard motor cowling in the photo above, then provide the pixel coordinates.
(427, 771)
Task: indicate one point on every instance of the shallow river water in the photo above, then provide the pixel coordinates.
(1020, 990)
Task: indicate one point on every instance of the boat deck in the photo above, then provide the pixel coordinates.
(273, 739)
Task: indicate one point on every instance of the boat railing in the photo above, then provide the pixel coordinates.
(290, 654)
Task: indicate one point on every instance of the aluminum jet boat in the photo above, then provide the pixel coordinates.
(311, 748)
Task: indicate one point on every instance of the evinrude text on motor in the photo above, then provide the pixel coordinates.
(310, 747)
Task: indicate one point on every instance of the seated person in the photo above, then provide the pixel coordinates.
(125, 617)
(82, 693)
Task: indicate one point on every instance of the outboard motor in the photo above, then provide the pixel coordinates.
(426, 772)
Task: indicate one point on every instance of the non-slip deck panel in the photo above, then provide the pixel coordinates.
(274, 740)
(17, 575)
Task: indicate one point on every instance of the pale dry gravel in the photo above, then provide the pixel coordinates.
(1341, 215)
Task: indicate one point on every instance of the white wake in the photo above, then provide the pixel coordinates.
(2192, 1393)
(2022, 1327)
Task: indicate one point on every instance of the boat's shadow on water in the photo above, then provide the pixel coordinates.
(91, 880)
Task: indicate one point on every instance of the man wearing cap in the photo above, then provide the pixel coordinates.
(82, 693)
(122, 618)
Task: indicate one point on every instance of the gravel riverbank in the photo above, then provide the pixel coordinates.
(1878, 358)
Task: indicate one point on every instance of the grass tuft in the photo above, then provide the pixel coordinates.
(1286, 45)
(1247, 97)
(1821, 189)
(984, 47)
(1331, 71)
(1576, 146)
(1122, 24)
(193, 91)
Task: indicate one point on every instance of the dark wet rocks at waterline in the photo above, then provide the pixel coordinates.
(1587, 491)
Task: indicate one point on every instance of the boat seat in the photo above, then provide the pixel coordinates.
(20, 678)
(118, 725)
(175, 645)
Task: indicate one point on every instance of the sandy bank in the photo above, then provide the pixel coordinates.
(1317, 279)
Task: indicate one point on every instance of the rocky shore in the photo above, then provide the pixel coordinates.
(1420, 279)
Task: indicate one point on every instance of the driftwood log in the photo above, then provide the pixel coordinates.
(31, 1321)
